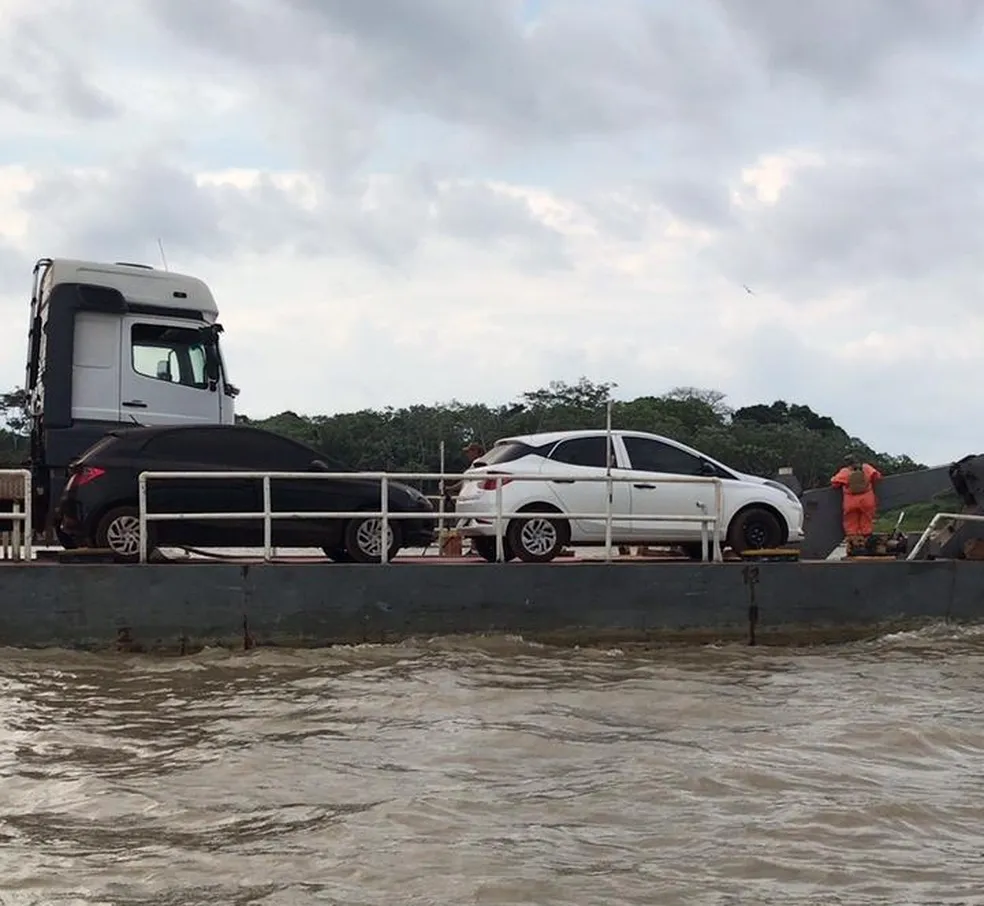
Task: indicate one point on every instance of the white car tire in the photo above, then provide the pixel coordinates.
(538, 537)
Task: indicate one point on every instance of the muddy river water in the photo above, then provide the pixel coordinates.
(488, 772)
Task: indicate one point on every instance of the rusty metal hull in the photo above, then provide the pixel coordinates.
(181, 607)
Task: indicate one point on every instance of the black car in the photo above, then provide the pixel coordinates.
(99, 506)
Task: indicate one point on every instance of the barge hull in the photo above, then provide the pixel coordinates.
(183, 607)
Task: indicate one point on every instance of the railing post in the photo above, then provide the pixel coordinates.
(918, 546)
(718, 519)
(500, 550)
(441, 490)
(609, 487)
(28, 518)
(142, 514)
(384, 524)
(15, 547)
(608, 519)
(267, 520)
(703, 539)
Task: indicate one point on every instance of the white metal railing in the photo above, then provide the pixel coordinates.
(938, 518)
(18, 541)
(709, 522)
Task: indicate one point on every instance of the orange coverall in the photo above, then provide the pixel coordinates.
(859, 509)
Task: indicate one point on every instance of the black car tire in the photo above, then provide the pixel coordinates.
(119, 531)
(485, 548)
(754, 529)
(362, 539)
(337, 554)
(539, 537)
(66, 541)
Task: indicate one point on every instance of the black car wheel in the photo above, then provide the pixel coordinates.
(66, 541)
(337, 554)
(754, 529)
(538, 538)
(362, 538)
(485, 548)
(119, 531)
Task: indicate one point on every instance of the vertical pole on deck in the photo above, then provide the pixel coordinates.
(267, 519)
(384, 526)
(609, 448)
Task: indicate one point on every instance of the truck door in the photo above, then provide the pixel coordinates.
(163, 374)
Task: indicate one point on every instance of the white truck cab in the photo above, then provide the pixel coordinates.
(112, 345)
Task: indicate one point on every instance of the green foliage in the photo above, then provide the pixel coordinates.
(757, 439)
(13, 428)
(919, 515)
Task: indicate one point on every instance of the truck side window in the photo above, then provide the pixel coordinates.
(174, 354)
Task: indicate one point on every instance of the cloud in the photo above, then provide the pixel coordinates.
(405, 201)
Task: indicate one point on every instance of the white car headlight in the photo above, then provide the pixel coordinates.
(779, 486)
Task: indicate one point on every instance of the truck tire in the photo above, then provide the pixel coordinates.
(119, 532)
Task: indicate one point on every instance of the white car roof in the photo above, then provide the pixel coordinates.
(553, 437)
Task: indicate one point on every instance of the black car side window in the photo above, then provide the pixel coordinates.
(237, 450)
(648, 455)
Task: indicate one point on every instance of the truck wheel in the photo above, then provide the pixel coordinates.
(754, 529)
(485, 548)
(119, 531)
(539, 537)
(362, 539)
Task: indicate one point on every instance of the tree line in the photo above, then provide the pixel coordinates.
(759, 439)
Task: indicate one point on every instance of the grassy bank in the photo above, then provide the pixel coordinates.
(918, 515)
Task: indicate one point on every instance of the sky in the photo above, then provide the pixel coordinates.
(414, 201)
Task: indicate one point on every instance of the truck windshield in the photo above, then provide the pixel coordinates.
(165, 353)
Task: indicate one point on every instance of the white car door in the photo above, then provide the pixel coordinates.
(585, 457)
(651, 463)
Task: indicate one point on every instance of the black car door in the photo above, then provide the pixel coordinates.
(255, 450)
(201, 449)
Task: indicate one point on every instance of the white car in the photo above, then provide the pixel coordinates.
(757, 512)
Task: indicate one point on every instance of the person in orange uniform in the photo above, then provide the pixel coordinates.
(857, 480)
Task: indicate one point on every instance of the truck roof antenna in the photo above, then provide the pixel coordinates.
(160, 245)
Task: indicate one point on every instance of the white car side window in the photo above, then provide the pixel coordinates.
(654, 456)
(581, 451)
